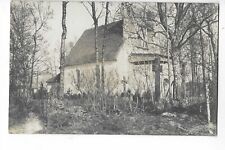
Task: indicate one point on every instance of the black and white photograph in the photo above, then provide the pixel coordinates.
(113, 68)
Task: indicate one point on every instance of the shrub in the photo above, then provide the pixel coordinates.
(59, 119)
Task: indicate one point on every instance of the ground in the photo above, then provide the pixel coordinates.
(75, 120)
(139, 124)
(32, 124)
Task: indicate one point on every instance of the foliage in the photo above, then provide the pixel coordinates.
(27, 25)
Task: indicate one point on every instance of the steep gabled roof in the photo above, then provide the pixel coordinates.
(84, 52)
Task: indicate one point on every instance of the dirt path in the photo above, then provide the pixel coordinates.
(30, 126)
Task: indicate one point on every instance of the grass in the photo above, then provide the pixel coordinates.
(75, 120)
(78, 117)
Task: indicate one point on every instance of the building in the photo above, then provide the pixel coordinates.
(39, 79)
(53, 85)
(127, 61)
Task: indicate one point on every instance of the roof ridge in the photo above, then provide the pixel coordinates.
(83, 51)
(101, 26)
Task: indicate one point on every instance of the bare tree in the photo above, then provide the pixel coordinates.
(62, 49)
(27, 25)
(20, 44)
(182, 21)
(40, 16)
(209, 63)
(103, 45)
(177, 24)
(95, 17)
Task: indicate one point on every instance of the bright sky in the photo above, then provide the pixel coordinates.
(77, 21)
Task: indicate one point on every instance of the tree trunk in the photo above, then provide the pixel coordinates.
(183, 83)
(168, 53)
(103, 46)
(192, 86)
(32, 63)
(174, 77)
(97, 69)
(157, 79)
(205, 85)
(97, 58)
(62, 49)
(213, 49)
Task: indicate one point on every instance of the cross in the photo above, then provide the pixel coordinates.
(124, 82)
(157, 68)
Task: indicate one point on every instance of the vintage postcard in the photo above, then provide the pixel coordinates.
(128, 68)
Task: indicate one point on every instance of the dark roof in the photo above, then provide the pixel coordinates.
(54, 79)
(84, 52)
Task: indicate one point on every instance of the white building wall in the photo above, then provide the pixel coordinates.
(115, 72)
(142, 78)
(87, 76)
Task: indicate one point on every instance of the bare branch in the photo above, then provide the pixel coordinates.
(87, 9)
(199, 25)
